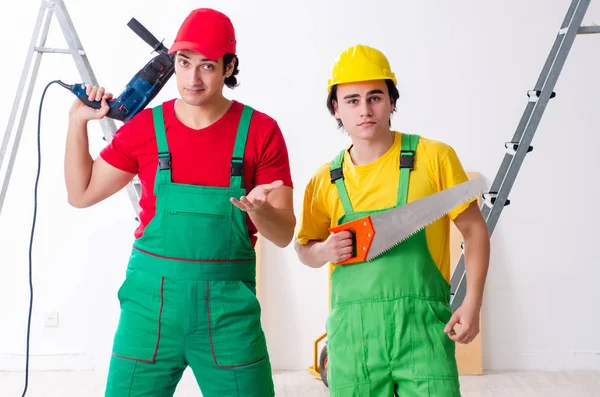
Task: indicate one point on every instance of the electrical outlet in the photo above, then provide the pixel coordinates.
(51, 319)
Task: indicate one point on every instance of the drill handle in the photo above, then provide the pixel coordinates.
(145, 35)
(79, 91)
(113, 112)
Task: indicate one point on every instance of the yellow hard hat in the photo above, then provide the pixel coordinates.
(360, 63)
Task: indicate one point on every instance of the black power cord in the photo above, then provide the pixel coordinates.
(35, 194)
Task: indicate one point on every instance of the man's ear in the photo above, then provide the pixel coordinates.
(230, 67)
(335, 109)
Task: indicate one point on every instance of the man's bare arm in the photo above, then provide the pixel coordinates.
(89, 181)
(477, 255)
(271, 209)
(474, 230)
(337, 248)
(275, 220)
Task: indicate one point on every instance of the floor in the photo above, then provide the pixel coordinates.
(303, 384)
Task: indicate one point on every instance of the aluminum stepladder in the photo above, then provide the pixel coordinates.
(497, 198)
(36, 50)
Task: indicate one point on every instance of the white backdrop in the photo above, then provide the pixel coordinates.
(463, 72)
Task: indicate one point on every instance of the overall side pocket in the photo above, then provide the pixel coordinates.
(138, 332)
(433, 351)
(346, 358)
(236, 335)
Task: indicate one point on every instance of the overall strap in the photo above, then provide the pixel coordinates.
(237, 169)
(163, 174)
(336, 174)
(407, 163)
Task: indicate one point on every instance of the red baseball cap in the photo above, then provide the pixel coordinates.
(206, 31)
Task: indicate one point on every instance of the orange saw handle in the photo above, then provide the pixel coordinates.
(362, 235)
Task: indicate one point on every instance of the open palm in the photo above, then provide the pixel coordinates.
(257, 197)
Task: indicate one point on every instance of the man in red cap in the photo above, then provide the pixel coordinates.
(214, 172)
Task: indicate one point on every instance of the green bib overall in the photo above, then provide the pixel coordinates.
(385, 330)
(189, 294)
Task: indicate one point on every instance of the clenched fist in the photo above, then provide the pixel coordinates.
(338, 247)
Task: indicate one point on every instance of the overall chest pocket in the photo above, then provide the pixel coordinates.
(198, 226)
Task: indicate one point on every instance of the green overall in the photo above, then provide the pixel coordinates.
(189, 293)
(385, 330)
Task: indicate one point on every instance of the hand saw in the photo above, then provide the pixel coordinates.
(373, 235)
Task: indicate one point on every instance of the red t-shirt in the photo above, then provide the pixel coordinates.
(199, 157)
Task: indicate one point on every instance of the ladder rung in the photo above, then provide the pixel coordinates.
(592, 29)
(137, 185)
(57, 50)
(490, 199)
(512, 147)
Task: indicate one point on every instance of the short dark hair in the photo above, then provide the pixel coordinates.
(392, 89)
(231, 81)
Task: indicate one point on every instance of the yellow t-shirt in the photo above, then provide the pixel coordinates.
(375, 186)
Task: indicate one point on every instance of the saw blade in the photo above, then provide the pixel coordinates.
(396, 225)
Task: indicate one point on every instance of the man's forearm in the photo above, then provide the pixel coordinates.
(477, 257)
(310, 253)
(275, 224)
(78, 161)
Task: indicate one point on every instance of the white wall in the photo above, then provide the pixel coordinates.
(463, 73)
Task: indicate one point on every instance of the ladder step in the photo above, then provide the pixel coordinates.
(57, 50)
(592, 29)
(137, 185)
(489, 199)
(512, 147)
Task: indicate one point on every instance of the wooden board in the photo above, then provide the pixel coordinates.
(468, 357)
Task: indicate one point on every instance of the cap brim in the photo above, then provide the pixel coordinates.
(211, 53)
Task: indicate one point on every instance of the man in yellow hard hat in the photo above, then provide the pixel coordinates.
(390, 328)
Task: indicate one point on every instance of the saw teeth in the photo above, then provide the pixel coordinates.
(413, 233)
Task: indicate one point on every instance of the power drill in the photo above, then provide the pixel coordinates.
(143, 87)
